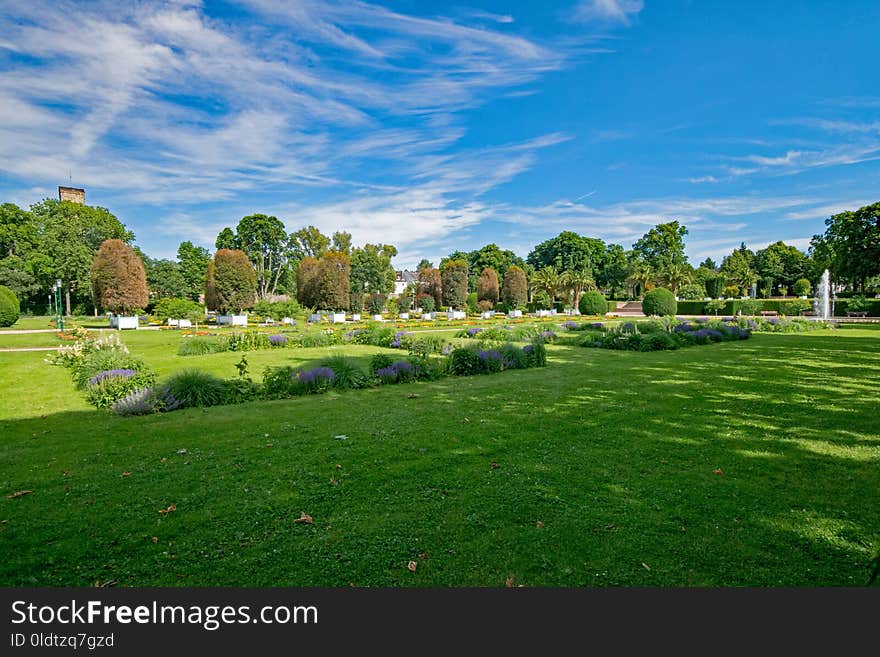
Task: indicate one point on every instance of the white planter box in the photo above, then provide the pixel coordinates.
(337, 318)
(455, 314)
(315, 317)
(356, 317)
(487, 314)
(404, 315)
(119, 322)
(173, 322)
(232, 320)
(542, 313)
(514, 313)
(287, 320)
(376, 318)
(184, 323)
(427, 316)
(552, 312)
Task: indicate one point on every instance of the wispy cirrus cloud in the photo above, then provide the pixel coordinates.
(163, 102)
(613, 11)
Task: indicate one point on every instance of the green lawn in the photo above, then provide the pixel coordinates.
(741, 463)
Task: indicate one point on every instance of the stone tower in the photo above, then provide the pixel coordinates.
(72, 194)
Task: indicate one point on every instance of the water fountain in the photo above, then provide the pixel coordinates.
(822, 303)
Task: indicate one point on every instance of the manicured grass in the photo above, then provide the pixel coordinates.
(746, 463)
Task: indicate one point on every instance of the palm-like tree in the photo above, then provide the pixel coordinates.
(641, 275)
(577, 282)
(676, 275)
(548, 280)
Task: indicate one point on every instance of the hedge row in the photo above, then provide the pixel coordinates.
(782, 306)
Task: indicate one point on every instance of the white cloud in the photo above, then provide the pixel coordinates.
(825, 211)
(615, 11)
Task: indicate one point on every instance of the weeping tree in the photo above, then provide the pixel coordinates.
(119, 282)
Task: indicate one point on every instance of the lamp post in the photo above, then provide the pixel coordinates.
(58, 306)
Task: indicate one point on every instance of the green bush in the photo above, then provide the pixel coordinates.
(801, 287)
(691, 292)
(714, 306)
(9, 307)
(347, 373)
(280, 382)
(92, 364)
(660, 302)
(195, 388)
(796, 307)
(199, 346)
(593, 303)
(536, 354)
(471, 303)
(248, 341)
(175, 308)
(373, 334)
(513, 357)
(379, 361)
(751, 306)
(464, 361)
(240, 390)
(317, 339)
(112, 385)
(277, 309)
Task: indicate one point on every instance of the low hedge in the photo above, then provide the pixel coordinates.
(782, 306)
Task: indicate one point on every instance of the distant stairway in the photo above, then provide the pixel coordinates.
(629, 309)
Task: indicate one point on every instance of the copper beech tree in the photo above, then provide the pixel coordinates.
(487, 286)
(119, 282)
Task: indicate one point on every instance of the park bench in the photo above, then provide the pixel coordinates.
(769, 313)
(859, 313)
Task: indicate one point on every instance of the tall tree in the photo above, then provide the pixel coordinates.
(70, 234)
(424, 263)
(738, 271)
(549, 280)
(662, 246)
(307, 282)
(232, 282)
(430, 282)
(454, 280)
(226, 239)
(577, 282)
(193, 267)
(342, 242)
(308, 242)
(164, 278)
(515, 289)
(487, 286)
(613, 272)
(568, 251)
(333, 290)
(264, 240)
(490, 256)
(371, 270)
(119, 283)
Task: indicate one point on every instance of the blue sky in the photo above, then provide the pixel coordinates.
(438, 126)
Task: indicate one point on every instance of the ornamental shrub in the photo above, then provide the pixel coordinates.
(593, 303)
(660, 302)
(119, 282)
(103, 360)
(9, 307)
(536, 354)
(106, 388)
(175, 308)
(199, 346)
(801, 287)
(691, 292)
(464, 362)
(195, 388)
(346, 372)
(380, 361)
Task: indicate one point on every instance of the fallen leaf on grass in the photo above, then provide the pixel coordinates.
(304, 517)
(718, 471)
(126, 474)
(539, 525)
(155, 539)
(508, 583)
(172, 507)
(464, 420)
(423, 555)
(412, 566)
(102, 585)
(20, 493)
(646, 566)
(494, 465)
(411, 395)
